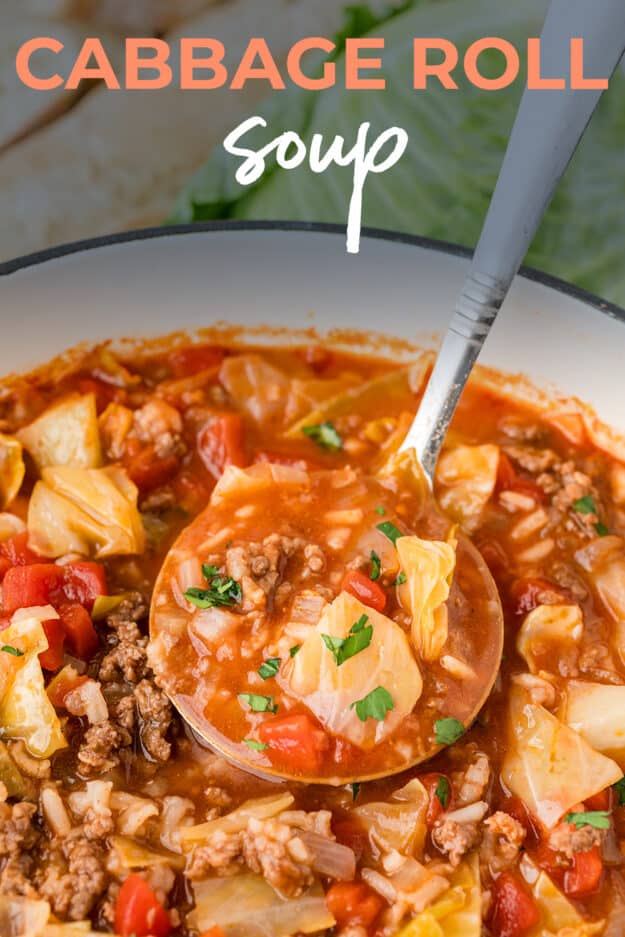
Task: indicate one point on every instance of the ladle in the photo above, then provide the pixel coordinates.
(547, 130)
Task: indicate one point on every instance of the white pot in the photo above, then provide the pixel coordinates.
(300, 276)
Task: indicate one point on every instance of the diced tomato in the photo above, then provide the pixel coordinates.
(16, 552)
(52, 658)
(514, 910)
(549, 860)
(104, 393)
(63, 683)
(353, 904)
(298, 739)
(508, 479)
(138, 911)
(435, 807)
(82, 638)
(600, 801)
(526, 593)
(84, 582)
(350, 832)
(584, 876)
(37, 584)
(317, 358)
(368, 592)
(185, 362)
(220, 443)
(146, 469)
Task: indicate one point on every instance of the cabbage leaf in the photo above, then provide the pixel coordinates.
(458, 912)
(25, 709)
(65, 434)
(257, 387)
(546, 628)
(11, 469)
(465, 480)
(597, 712)
(88, 511)
(548, 765)
(429, 567)
(399, 822)
(246, 906)
(330, 692)
(558, 916)
(240, 484)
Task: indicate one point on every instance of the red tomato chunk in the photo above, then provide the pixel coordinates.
(220, 443)
(138, 911)
(298, 738)
(368, 592)
(353, 904)
(514, 911)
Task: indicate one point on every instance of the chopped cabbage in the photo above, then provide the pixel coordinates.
(305, 395)
(465, 479)
(246, 906)
(11, 469)
(23, 917)
(261, 808)
(87, 511)
(548, 625)
(10, 775)
(247, 483)
(604, 561)
(402, 471)
(10, 525)
(399, 823)
(114, 425)
(429, 567)
(133, 855)
(557, 912)
(458, 913)
(25, 709)
(313, 677)
(548, 765)
(257, 387)
(65, 434)
(597, 712)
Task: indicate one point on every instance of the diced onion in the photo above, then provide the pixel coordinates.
(329, 857)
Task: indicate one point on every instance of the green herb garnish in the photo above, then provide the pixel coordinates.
(619, 787)
(376, 566)
(222, 590)
(357, 640)
(269, 668)
(9, 649)
(448, 730)
(585, 505)
(355, 789)
(601, 529)
(599, 819)
(380, 510)
(325, 435)
(442, 790)
(374, 705)
(293, 650)
(389, 530)
(400, 580)
(254, 745)
(259, 704)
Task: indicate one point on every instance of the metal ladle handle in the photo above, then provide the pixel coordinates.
(547, 129)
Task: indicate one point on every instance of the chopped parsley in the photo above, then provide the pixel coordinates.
(585, 505)
(400, 579)
(380, 510)
(376, 566)
(442, 790)
(325, 435)
(355, 790)
(448, 730)
(254, 745)
(269, 668)
(293, 650)
(357, 640)
(601, 529)
(222, 591)
(599, 819)
(389, 530)
(9, 649)
(374, 705)
(619, 787)
(259, 704)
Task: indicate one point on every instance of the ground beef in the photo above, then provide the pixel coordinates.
(16, 875)
(455, 839)
(160, 424)
(501, 843)
(566, 577)
(73, 879)
(123, 621)
(260, 568)
(530, 459)
(566, 485)
(99, 751)
(155, 716)
(16, 829)
(127, 660)
(566, 840)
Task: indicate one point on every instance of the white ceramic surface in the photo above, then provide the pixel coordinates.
(293, 277)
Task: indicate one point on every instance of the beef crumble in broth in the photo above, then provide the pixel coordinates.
(287, 616)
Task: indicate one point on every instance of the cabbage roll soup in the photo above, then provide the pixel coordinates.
(232, 528)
